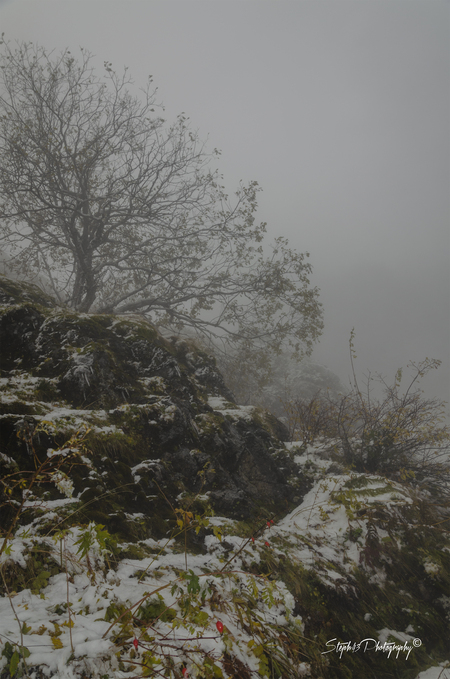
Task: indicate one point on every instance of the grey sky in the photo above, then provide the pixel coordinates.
(339, 109)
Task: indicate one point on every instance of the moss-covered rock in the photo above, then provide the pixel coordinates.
(161, 420)
(105, 425)
(19, 292)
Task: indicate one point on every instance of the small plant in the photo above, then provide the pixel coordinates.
(308, 419)
(95, 538)
(16, 487)
(16, 657)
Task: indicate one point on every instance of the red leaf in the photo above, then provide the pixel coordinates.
(135, 643)
(184, 672)
(267, 544)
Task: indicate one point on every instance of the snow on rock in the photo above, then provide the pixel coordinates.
(70, 618)
(197, 537)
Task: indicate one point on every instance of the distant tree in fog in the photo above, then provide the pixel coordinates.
(123, 213)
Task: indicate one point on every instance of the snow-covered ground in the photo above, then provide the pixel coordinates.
(205, 606)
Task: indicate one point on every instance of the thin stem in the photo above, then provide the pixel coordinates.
(68, 602)
(18, 621)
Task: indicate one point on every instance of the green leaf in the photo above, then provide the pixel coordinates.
(84, 543)
(201, 618)
(8, 651)
(217, 532)
(102, 536)
(14, 663)
(193, 583)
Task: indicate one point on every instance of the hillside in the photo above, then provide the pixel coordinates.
(150, 526)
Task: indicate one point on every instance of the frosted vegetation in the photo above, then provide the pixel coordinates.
(129, 548)
(156, 518)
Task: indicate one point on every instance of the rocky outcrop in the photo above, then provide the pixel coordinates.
(163, 424)
(131, 482)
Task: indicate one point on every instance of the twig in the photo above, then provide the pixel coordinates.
(68, 602)
(18, 621)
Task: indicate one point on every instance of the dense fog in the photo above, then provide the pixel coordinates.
(340, 111)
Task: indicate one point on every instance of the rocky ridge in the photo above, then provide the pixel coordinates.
(158, 411)
(150, 526)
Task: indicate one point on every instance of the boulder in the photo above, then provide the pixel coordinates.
(163, 426)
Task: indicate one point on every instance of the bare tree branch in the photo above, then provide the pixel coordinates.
(124, 214)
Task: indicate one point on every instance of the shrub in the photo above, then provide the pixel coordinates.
(400, 434)
(310, 418)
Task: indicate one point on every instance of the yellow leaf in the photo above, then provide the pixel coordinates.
(57, 643)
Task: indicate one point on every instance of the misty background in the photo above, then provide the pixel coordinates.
(340, 110)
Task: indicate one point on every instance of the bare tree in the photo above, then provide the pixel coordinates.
(122, 212)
